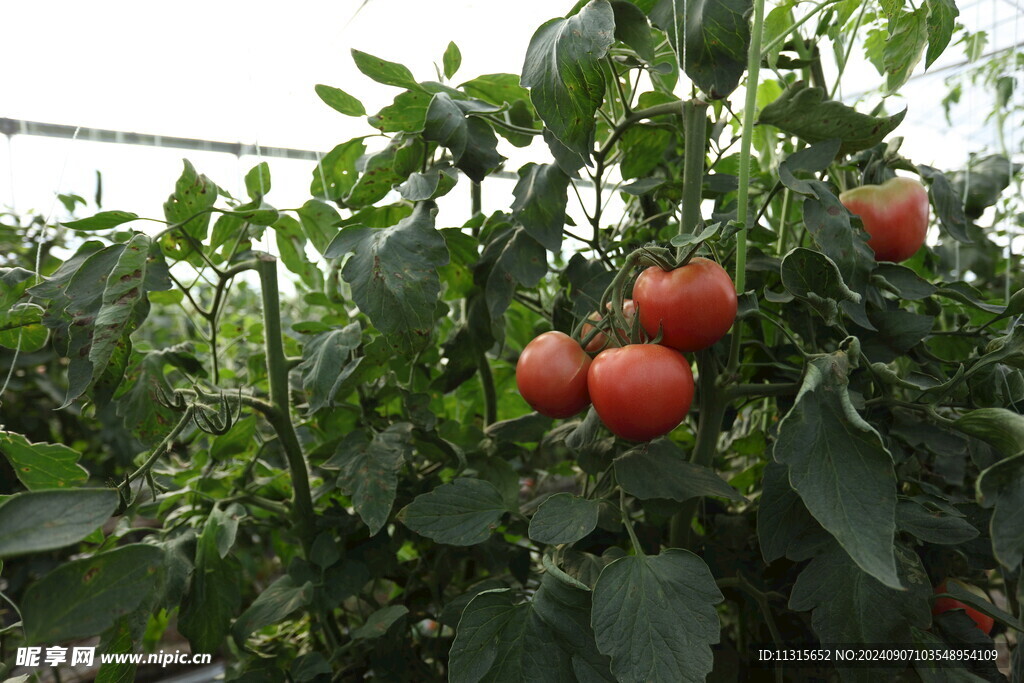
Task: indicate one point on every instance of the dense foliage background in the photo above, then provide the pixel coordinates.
(345, 483)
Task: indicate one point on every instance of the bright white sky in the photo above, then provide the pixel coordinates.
(244, 72)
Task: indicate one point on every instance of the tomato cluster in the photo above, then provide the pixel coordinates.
(640, 391)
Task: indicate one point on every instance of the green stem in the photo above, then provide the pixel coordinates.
(695, 122)
(783, 225)
(849, 48)
(629, 524)
(161, 449)
(280, 417)
(712, 402)
(490, 396)
(749, 110)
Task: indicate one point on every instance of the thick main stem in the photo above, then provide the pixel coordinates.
(280, 417)
(695, 122)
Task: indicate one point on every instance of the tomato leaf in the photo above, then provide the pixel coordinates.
(104, 220)
(804, 112)
(340, 101)
(659, 469)
(378, 623)
(463, 512)
(655, 617)
(784, 526)
(1002, 487)
(849, 606)
(933, 527)
(335, 174)
(383, 71)
(563, 72)
(840, 467)
(941, 22)
(189, 206)
(541, 195)
(84, 597)
(563, 518)
(325, 364)
(257, 181)
(452, 60)
(711, 39)
(215, 594)
(369, 470)
(393, 271)
(36, 521)
(277, 602)
(813, 277)
(470, 140)
(42, 465)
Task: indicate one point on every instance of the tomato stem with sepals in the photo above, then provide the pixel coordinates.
(743, 192)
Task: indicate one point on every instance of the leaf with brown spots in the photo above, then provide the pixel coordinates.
(42, 465)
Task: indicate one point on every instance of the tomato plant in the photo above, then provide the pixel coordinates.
(552, 375)
(641, 391)
(692, 306)
(315, 462)
(895, 216)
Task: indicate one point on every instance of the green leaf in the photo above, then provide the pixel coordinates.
(784, 526)
(383, 71)
(257, 180)
(35, 521)
(325, 364)
(1002, 486)
(281, 599)
(933, 526)
(633, 29)
(376, 180)
(982, 182)
(452, 60)
(83, 598)
(1003, 429)
(139, 405)
(393, 271)
(850, 606)
(215, 594)
(42, 465)
(463, 512)
(942, 16)
(471, 141)
(517, 258)
(815, 278)
(340, 101)
(320, 223)
(336, 174)
(711, 38)
(124, 303)
(541, 195)
(291, 247)
(655, 617)
(369, 470)
(840, 467)
(659, 469)
(194, 195)
(643, 148)
(104, 220)
(547, 640)
(811, 159)
(563, 71)
(804, 112)
(378, 623)
(908, 35)
(407, 113)
(907, 283)
(563, 518)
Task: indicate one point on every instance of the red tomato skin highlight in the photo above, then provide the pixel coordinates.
(895, 215)
(694, 305)
(552, 375)
(984, 622)
(641, 391)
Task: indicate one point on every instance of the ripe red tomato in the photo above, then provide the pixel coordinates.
(552, 375)
(641, 391)
(600, 339)
(941, 605)
(895, 215)
(694, 305)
